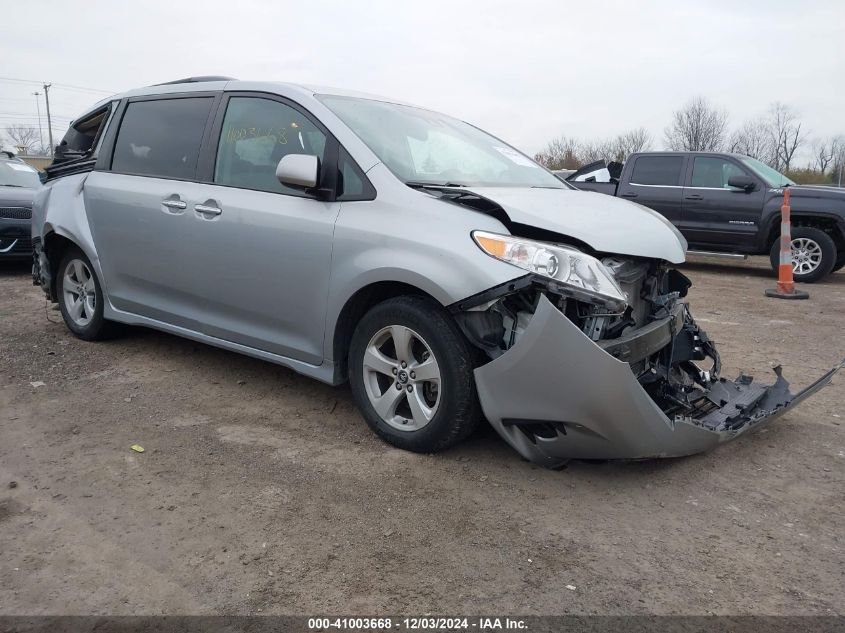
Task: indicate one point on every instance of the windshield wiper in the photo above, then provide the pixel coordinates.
(5, 185)
(432, 185)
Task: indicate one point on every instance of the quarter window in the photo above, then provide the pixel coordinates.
(714, 173)
(351, 183)
(257, 133)
(657, 170)
(162, 137)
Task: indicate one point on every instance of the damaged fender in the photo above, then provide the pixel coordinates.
(556, 395)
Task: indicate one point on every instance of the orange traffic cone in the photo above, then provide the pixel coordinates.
(786, 285)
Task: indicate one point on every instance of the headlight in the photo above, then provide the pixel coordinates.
(577, 271)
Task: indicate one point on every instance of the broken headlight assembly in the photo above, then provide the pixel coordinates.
(574, 273)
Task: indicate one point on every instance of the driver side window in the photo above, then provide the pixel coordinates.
(714, 173)
(256, 134)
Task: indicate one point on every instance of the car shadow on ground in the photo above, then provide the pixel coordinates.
(729, 269)
(15, 267)
(753, 269)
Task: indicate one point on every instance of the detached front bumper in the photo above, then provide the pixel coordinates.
(556, 395)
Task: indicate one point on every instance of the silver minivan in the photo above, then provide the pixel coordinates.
(445, 274)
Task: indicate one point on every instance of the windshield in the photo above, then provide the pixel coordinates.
(772, 177)
(424, 147)
(13, 174)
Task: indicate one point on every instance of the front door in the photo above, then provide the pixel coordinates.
(261, 251)
(715, 214)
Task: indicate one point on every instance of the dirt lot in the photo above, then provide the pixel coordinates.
(263, 491)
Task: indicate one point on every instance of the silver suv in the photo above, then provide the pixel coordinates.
(444, 273)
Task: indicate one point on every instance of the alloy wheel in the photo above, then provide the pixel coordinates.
(806, 255)
(79, 292)
(402, 378)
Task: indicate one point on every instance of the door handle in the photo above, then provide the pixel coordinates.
(174, 204)
(694, 196)
(628, 194)
(207, 210)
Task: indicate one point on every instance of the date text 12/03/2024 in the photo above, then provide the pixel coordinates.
(417, 623)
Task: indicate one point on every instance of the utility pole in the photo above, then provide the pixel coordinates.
(49, 121)
(38, 108)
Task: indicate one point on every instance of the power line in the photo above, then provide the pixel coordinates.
(65, 86)
(28, 120)
(31, 114)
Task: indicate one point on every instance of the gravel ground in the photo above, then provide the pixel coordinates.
(261, 491)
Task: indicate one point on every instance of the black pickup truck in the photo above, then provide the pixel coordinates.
(729, 204)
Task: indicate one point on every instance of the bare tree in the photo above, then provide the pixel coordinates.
(753, 139)
(786, 134)
(567, 152)
(697, 127)
(627, 143)
(24, 138)
(560, 153)
(823, 153)
(592, 150)
(837, 163)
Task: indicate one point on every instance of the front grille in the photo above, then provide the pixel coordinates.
(22, 245)
(15, 213)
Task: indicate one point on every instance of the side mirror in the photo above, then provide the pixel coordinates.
(301, 171)
(742, 182)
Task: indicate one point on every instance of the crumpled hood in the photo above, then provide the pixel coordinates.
(605, 223)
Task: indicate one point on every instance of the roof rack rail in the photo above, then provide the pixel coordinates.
(199, 79)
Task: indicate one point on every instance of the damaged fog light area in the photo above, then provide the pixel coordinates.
(568, 378)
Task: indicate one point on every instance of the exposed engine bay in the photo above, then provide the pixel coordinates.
(664, 359)
(674, 363)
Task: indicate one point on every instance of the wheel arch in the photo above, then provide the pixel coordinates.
(55, 245)
(828, 223)
(355, 307)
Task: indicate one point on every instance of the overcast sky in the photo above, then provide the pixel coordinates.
(526, 71)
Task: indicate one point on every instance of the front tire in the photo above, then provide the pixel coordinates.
(410, 369)
(81, 297)
(840, 261)
(813, 254)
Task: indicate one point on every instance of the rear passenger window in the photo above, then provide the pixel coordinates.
(657, 170)
(257, 133)
(161, 138)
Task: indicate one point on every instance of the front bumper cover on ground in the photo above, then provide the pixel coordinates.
(556, 396)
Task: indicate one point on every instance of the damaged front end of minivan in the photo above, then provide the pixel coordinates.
(574, 374)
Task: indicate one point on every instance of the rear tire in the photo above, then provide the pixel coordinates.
(813, 252)
(411, 372)
(81, 297)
